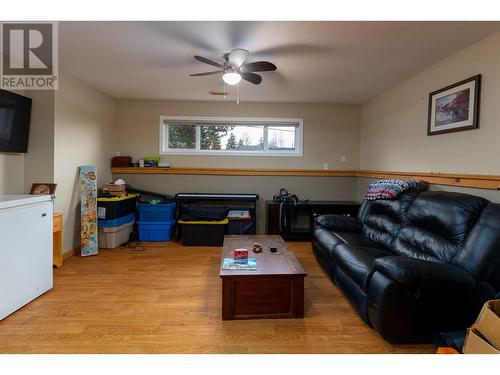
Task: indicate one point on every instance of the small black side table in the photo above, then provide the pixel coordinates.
(297, 221)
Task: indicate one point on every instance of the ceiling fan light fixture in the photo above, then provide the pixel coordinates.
(231, 78)
(237, 57)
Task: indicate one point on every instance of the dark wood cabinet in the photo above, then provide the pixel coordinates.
(297, 220)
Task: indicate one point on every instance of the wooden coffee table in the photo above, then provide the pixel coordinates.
(274, 290)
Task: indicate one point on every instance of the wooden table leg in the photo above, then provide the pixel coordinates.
(57, 241)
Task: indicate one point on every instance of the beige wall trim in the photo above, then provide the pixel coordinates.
(70, 253)
(491, 182)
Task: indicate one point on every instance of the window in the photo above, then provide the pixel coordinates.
(230, 136)
(182, 137)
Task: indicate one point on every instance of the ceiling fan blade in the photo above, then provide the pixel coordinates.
(237, 57)
(205, 74)
(252, 77)
(258, 66)
(208, 61)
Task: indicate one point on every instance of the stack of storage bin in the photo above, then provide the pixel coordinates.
(116, 220)
(156, 221)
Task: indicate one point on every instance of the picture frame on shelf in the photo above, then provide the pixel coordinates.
(43, 188)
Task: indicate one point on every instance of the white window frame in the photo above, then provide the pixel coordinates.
(257, 121)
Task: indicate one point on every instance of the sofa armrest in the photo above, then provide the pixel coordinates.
(338, 222)
(423, 273)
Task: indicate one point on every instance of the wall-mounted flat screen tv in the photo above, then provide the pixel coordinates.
(15, 115)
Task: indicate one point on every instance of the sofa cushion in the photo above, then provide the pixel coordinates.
(325, 238)
(383, 219)
(480, 254)
(422, 273)
(357, 262)
(356, 239)
(437, 224)
(353, 292)
(338, 223)
(419, 243)
(328, 240)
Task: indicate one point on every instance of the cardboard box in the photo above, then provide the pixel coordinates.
(114, 188)
(475, 343)
(488, 322)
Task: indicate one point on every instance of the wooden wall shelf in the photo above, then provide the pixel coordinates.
(235, 172)
(491, 182)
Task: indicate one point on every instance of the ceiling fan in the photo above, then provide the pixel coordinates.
(234, 68)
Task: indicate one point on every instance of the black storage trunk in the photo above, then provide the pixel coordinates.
(202, 234)
(187, 202)
(114, 208)
(240, 227)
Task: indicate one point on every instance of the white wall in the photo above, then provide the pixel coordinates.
(11, 173)
(73, 126)
(12, 170)
(330, 130)
(84, 135)
(387, 133)
(394, 124)
(84, 130)
(19, 171)
(39, 161)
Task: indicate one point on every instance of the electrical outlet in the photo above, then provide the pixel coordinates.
(325, 166)
(343, 158)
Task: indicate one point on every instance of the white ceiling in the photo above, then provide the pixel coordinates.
(341, 62)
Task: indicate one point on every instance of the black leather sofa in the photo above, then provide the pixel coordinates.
(423, 263)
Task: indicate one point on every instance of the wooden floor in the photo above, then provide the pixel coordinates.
(167, 299)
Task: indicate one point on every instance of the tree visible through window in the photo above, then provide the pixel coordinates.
(212, 135)
(182, 136)
(232, 137)
(231, 143)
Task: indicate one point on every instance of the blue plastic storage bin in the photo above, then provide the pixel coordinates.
(153, 231)
(156, 212)
(116, 222)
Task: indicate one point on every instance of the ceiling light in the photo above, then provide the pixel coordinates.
(231, 78)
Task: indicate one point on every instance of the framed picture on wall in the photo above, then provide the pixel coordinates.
(455, 107)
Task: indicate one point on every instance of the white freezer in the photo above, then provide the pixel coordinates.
(25, 249)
